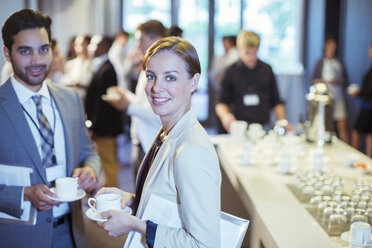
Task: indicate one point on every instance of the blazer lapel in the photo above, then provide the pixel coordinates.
(159, 161)
(165, 151)
(63, 110)
(14, 111)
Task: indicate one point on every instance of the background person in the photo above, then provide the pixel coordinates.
(107, 122)
(249, 91)
(56, 69)
(44, 128)
(79, 71)
(363, 123)
(182, 165)
(332, 71)
(144, 123)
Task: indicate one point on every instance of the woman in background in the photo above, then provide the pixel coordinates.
(332, 71)
(181, 166)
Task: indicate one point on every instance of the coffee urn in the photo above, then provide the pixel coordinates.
(319, 127)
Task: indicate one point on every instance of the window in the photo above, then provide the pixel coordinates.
(279, 23)
(136, 12)
(226, 23)
(193, 19)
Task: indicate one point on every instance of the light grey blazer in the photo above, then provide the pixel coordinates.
(186, 171)
(18, 148)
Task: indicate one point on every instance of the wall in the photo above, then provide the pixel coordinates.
(11, 6)
(315, 35)
(357, 35)
(70, 17)
(74, 17)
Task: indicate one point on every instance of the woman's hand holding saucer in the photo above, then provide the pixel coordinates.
(120, 223)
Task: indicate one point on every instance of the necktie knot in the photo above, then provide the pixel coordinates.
(37, 100)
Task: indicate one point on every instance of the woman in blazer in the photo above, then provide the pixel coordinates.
(181, 166)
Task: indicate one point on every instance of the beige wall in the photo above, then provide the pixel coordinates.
(74, 17)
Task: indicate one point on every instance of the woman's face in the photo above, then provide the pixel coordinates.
(330, 48)
(169, 86)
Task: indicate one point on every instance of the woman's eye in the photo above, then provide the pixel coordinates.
(170, 78)
(150, 77)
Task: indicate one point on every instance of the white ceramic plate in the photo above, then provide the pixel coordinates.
(91, 214)
(345, 236)
(80, 194)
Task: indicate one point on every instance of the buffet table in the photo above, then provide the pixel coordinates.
(278, 218)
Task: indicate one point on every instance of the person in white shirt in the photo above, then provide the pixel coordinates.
(78, 71)
(145, 124)
(118, 56)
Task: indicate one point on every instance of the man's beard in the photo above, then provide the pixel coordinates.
(26, 75)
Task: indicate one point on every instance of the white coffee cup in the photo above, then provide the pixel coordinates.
(66, 187)
(360, 233)
(105, 202)
(238, 130)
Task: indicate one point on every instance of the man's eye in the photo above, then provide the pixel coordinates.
(24, 51)
(44, 50)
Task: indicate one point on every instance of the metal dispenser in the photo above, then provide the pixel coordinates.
(319, 127)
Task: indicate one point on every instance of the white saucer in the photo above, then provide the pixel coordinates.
(91, 214)
(345, 236)
(80, 194)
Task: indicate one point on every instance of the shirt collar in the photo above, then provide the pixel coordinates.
(99, 61)
(24, 94)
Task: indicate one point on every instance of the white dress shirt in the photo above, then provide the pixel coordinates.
(51, 112)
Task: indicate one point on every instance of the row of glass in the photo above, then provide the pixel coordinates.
(327, 201)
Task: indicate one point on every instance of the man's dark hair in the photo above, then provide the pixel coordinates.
(22, 20)
(106, 42)
(230, 38)
(153, 28)
(175, 31)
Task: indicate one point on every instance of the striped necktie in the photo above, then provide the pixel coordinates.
(46, 133)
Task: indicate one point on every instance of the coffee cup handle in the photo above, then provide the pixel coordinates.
(91, 205)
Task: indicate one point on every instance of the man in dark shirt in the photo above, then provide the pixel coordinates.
(106, 121)
(249, 91)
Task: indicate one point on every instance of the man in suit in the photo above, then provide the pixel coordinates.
(41, 128)
(107, 122)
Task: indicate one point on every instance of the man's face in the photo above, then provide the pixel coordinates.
(31, 57)
(144, 41)
(249, 56)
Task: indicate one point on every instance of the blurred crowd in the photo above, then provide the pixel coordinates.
(245, 89)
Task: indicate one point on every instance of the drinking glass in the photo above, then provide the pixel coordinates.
(321, 206)
(337, 223)
(328, 211)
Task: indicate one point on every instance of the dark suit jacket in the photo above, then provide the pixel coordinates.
(106, 120)
(18, 148)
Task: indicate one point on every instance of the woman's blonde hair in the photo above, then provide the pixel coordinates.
(180, 47)
(248, 39)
